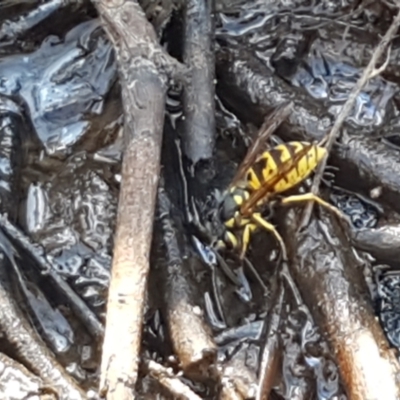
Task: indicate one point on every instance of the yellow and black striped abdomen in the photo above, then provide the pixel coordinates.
(284, 166)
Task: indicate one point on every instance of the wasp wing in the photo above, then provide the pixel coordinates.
(268, 185)
(271, 123)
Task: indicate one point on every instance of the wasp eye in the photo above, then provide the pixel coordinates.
(227, 208)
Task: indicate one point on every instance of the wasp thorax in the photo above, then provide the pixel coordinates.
(231, 203)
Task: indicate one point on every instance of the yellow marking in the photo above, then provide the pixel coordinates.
(271, 162)
(299, 198)
(231, 238)
(270, 169)
(230, 223)
(246, 195)
(303, 168)
(252, 179)
(238, 199)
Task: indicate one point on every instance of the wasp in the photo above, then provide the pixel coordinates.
(261, 178)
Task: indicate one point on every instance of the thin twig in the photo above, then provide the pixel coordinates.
(369, 72)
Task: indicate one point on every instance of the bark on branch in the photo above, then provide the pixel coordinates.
(333, 287)
(144, 69)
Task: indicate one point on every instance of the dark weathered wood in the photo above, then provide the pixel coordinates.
(144, 69)
(29, 348)
(190, 335)
(332, 285)
(383, 242)
(198, 95)
(80, 308)
(271, 356)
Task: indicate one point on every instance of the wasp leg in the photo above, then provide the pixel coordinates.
(271, 228)
(311, 197)
(247, 230)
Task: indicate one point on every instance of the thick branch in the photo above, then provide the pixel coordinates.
(333, 287)
(144, 70)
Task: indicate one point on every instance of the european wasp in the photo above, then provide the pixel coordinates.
(262, 176)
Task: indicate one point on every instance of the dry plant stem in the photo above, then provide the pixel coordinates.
(30, 349)
(369, 72)
(80, 308)
(191, 336)
(198, 95)
(333, 287)
(17, 383)
(171, 382)
(144, 69)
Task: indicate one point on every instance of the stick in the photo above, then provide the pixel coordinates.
(80, 308)
(334, 289)
(197, 354)
(198, 95)
(272, 351)
(369, 72)
(167, 379)
(28, 347)
(383, 243)
(144, 69)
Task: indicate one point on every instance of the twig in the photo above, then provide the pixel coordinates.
(198, 95)
(80, 308)
(28, 347)
(144, 69)
(198, 354)
(167, 379)
(369, 72)
(271, 353)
